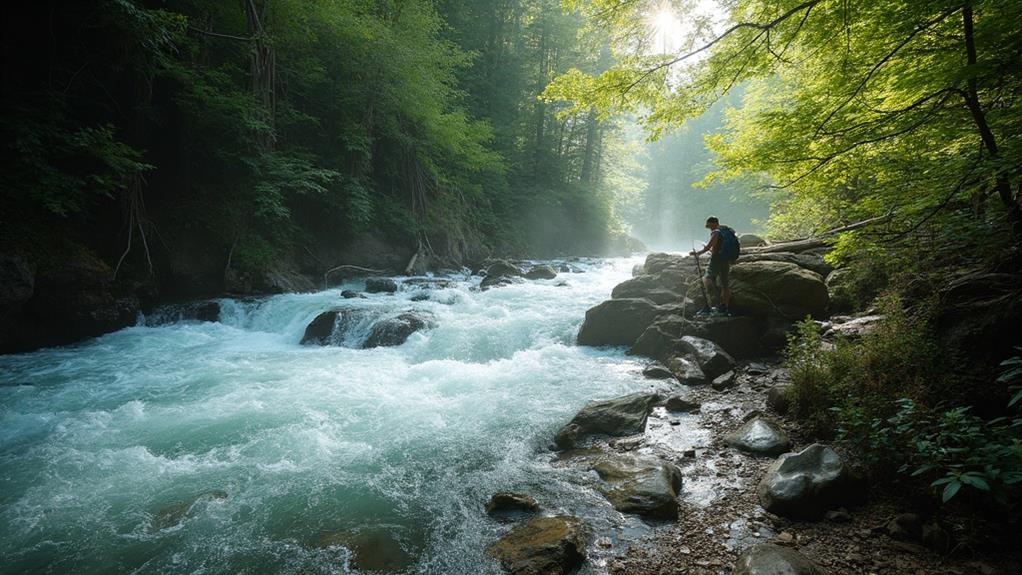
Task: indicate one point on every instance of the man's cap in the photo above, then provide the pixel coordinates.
(712, 220)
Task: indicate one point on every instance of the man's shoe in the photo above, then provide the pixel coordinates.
(706, 311)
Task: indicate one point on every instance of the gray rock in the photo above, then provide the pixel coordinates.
(617, 322)
(394, 331)
(779, 398)
(770, 559)
(503, 268)
(491, 281)
(812, 262)
(806, 484)
(751, 240)
(759, 436)
(615, 417)
(854, 328)
(640, 485)
(507, 504)
(320, 330)
(686, 370)
(542, 546)
(712, 359)
(739, 336)
(380, 285)
(543, 272)
(679, 403)
(351, 294)
(665, 287)
(657, 370)
(773, 288)
(724, 381)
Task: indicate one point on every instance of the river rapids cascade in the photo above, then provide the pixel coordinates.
(227, 447)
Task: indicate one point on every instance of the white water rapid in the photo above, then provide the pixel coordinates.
(228, 447)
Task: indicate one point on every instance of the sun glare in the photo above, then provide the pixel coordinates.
(667, 30)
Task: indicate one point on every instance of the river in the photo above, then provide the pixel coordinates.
(228, 447)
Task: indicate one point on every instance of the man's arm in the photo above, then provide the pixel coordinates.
(709, 246)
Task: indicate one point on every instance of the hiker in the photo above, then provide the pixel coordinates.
(723, 247)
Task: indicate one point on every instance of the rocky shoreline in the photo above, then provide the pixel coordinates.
(775, 503)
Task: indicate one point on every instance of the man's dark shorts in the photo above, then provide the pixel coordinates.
(719, 268)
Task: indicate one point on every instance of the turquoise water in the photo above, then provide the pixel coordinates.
(227, 447)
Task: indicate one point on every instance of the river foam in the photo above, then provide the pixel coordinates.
(116, 452)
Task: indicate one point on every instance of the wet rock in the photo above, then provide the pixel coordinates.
(542, 272)
(616, 417)
(806, 484)
(681, 404)
(657, 370)
(725, 381)
(686, 370)
(173, 514)
(351, 294)
(664, 287)
(542, 546)
(770, 559)
(738, 336)
(854, 328)
(617, 322)
(189, 311)
(503, 268)
(637, 270)
(394, 331)
(380, 285)
(509, 505)
(779, 397)
(321, 329)
(491, 281)
(712, 359)
(372, 550)
(759, 436)
(641, 485)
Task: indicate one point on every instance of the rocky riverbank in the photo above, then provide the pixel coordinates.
(745, 493)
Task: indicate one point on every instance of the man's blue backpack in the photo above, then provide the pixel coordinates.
(730, 247)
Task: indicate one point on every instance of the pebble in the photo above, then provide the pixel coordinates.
(604, 542)
(785, 537)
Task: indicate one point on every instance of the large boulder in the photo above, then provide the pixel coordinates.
(770, 559)
(541, 272)
(712, 359)
(320, 331)
(751, 241)
(759, 436)
(665, 286)
(617, 321)
(806, 484)
(615, 417)
(841, 287)
(739, 336)
(503, 268)
(811, 262)
(389, 332)
(773, 288)
(641, 485)
(542, 546)
(380, 285)
(658, 262)
(510, 505)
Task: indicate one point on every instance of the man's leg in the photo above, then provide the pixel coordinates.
(725, 285)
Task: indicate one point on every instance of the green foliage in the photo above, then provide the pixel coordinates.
(885, 395)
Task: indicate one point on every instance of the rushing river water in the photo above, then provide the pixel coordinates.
(227, 447)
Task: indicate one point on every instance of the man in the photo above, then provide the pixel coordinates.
(720, 267)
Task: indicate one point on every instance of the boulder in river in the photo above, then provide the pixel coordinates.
(320, 330)
(774, 288)
(373, 550)
(541, 272)
(542, 546)
(664, 287)
(173, 514)
(351, 294)
(617, 321)
(389, 332)
(641, 485)
(806, 484)
(657, 370)
(616, 417)
(759, 436)
(712, 359)
(380, 285)
(503, 268)
(508, 504)
(770, 559)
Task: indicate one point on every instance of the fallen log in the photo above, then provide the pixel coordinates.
(819, 241)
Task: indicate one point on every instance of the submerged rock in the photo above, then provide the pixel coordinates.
(759, 436)
(542, 546)
(770, 559)
(394, 331)
(374, 550)
(616, 417)
(173, 514)
(510, 505)
(641, 485)
(321, 329)
(805, 485)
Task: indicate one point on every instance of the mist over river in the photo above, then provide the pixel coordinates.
(228, 447)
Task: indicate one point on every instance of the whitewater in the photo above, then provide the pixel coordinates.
(228, 447)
